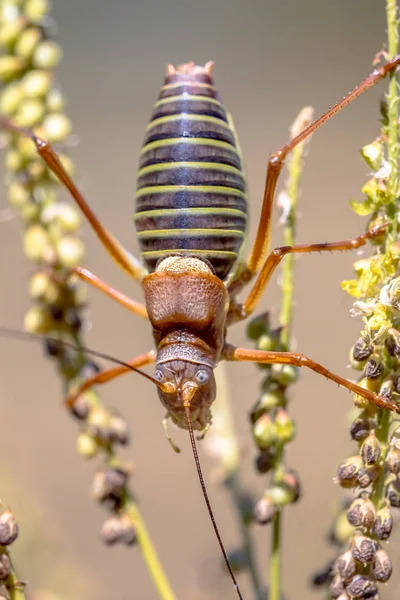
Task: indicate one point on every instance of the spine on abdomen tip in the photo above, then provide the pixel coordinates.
(191, 191)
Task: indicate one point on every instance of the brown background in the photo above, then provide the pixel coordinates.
(272, 58)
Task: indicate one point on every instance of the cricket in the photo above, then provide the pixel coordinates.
(191, 221)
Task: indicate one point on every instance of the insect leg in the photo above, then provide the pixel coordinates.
(121, 256)
(299, 360)
(89, 277)
(275, 164)
(110, 374)
(241, 311)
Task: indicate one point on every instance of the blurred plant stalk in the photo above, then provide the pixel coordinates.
(31, 98)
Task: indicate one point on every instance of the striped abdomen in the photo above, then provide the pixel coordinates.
(191, 192)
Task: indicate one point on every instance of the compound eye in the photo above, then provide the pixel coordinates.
(202, 377)
(159, 375)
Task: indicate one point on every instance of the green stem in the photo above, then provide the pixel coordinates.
(15, 587)
(230, 463)
(393, 99)
(148, 552)
(286, 317)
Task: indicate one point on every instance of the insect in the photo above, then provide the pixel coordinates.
(191, 222)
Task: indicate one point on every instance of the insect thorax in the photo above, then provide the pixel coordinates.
(191, 191)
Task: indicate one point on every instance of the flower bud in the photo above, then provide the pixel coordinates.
(392, 459)
(382, 567)
(285, 427)
(289, 479)
(86, 445)
(373, 369)
(361, 350)
(5, 566)
(128, 535)
(36, 83)
(119, 431)
(346, 565)
(284, 374)
(35, 10)
(111, 531)
(8, 528)
(336, 587)
(371, 449)
(264, 432)
(361, 586)
(109, 483)
(47, 55)
(383, 524)
(27, 42)
(360, 428)
(363, 548)
(265, 460)
(393, 493)
(56, 127)
(373, 154)
(348, 470)
(264, 511)
(258, 326)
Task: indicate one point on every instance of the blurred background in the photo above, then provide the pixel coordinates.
(272, 58)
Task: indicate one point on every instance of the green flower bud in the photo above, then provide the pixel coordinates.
(373, 154)
(56, 127)
(264, 432)
(36, 83)
(70, 251)
(86, 445)
(29, 113)
(10, 67)
(285, 427)
(18, 194)
(27, 42)
(35, 242)
(284, 374)
(10, 98)
(37, 320)
(35, 10)
(258, 326)
(47, 55)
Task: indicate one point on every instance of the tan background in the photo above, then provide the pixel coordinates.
(271, 59)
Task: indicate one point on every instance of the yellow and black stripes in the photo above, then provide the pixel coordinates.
(191, 192)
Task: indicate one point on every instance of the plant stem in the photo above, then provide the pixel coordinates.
(393, 99)
(148, 552)
(15, 587)
(286, 317)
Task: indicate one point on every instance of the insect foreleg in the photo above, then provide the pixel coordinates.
(299, 360)
(241, 311)
(121, 256)
(89, 277)
(275, 164)
(110, 374)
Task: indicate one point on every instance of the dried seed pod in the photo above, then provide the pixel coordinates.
(383, 524)
(112, 531)
(8, 528)
(346, 565)
(265, 461)
(80, 408)
(361, 586)
(5, 566)
(382, 567)
(361, 350)
(129, 535)
(336, 587)
(392, 459)
(373, 369)
(368, 475)
(361, 512)
(393, 493)
(371, 449)
(119, 431)
(363, 548)
(264, 511)
(258, 326)
(360, 428)
(109, 483)
(289, 479)
(348, 470)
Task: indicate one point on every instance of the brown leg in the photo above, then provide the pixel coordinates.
(275, 164)
(121, 256)
(241, 311)
(137, 307)
(299, 360)
(110, 374)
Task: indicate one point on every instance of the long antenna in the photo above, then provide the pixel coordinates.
(207, 501)
(38, 337)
